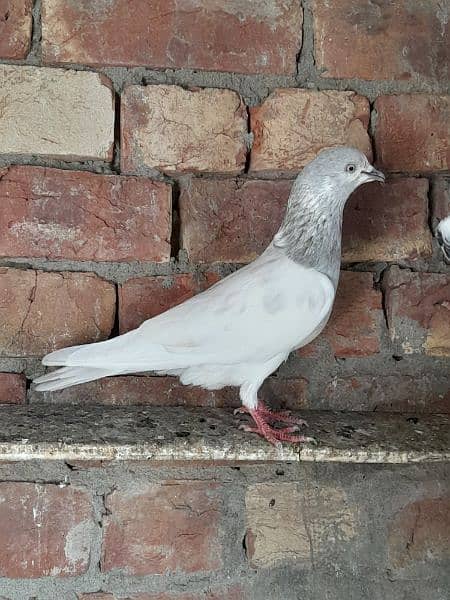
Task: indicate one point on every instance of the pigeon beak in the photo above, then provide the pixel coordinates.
(374, 175)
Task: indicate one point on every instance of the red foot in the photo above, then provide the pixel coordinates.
(263, 416)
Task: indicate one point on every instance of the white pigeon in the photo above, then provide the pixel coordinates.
(443, 237)
(240, 330)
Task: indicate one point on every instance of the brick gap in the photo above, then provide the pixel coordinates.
(115, 163)
(35, 53)
(175, 240)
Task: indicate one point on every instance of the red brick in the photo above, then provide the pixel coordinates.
(230, 220)
(174, 130)
(381, 40)
(45, 530)
(418, 311)
(142, 298)
(354, 328)
(441, 198)
(419, 393)
(12, 388)
(293, 125)
(15, 28)
(420, 533)
(168, 391)
(167, 33)
(41, 312)
(157, 528)
(411, 132)
(77, 215)
(387, 223)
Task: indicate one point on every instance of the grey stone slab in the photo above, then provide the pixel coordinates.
(48, 431)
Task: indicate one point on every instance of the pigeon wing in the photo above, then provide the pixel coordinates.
(269, 307)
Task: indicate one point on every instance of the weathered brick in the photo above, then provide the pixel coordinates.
(418, 311)
(15, 28)
(419, 393)
(284, 523)
(230, 220)
(420, 533)
(41, 312)
(77, 215)
(175, 130)
(56, 113)
(293, 125)
(12, 388)
(45, 530)
(166, 33)
(382, 40)
(354, 328)
(412, 131)
(142, 298)
(276, 532)
(157, 527)
(168, 391)
(387, 223)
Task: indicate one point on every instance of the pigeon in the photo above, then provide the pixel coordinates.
(240, 330)
(443, 237)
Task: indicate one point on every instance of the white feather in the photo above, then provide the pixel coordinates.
(239, 330)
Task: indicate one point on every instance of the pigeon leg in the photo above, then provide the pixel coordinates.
(272, 416)
(263, 417)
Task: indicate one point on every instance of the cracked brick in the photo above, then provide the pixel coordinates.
(76, 215)
(166, 33)
(171, 526)
(176, 130)
(41, 312)
(293, 125)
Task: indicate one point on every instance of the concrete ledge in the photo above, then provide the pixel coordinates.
(67, 432)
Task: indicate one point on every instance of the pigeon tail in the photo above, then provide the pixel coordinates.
(68, 376)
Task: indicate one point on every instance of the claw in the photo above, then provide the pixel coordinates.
(264, 418)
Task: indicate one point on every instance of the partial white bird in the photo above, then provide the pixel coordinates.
(443, 237)
(240, 330)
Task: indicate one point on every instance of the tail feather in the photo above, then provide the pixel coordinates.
(68, 376)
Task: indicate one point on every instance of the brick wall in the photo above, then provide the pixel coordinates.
(147, 151)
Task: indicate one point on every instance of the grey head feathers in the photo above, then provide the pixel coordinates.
(311, 231)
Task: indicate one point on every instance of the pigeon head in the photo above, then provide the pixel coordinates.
(341, 170)
(311, 230)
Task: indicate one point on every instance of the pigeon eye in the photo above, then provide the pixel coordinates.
(350, 168)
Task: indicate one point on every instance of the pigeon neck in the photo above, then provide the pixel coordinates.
(312, 229)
